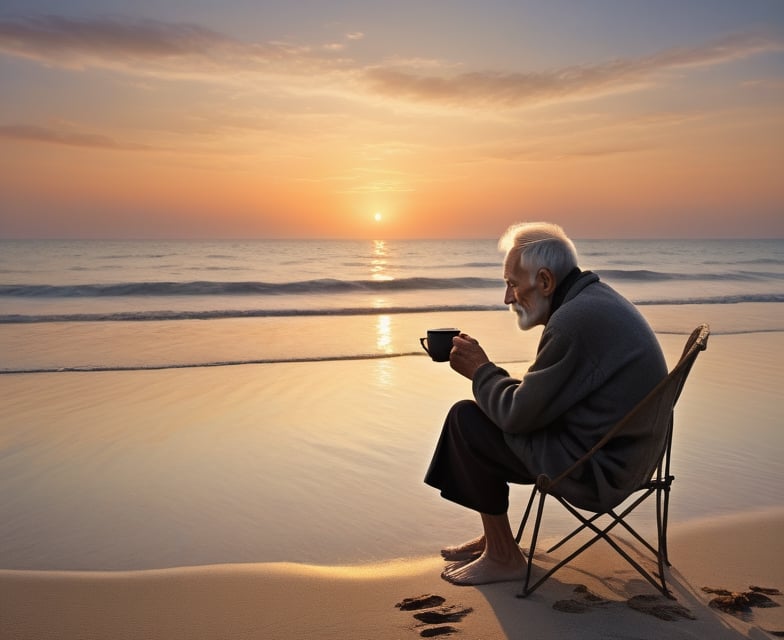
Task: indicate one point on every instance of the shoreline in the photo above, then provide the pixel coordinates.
(176, 344)
(401, 564)
(286, 600)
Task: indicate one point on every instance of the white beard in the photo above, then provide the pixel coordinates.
(529, 319)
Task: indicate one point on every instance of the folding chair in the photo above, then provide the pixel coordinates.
(653, 416)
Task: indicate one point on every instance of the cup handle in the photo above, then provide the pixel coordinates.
(422, 342)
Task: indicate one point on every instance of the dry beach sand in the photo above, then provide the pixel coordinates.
(296, 601)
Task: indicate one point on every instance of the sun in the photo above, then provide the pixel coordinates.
(377, 216)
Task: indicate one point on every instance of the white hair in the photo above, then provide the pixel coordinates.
(540, 244)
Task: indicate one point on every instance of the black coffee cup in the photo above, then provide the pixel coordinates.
(438, 343)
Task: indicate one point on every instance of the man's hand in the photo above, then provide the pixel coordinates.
(466, 355)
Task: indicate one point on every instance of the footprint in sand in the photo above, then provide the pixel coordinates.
(660, 607)
(451, 613)
(437, 631)
(653, 605)
(446, 614)
(426, 601)
(584, 601)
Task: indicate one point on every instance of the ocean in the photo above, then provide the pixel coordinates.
(170, 403)
(144, 281)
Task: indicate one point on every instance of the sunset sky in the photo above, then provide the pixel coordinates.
(246, 118)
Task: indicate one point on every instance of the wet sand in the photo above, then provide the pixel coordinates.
(277, 500)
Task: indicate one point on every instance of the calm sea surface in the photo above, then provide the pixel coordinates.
(101, 281)
(127, 441)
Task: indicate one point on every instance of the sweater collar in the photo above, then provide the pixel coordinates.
(563, 288)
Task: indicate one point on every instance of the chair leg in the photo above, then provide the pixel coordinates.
(660, 552)
(604, 534)
(566, 539)
(534, 537)
(527, 587)
(599, 534)
(664, 522)
(662, 508)
(660, 584)
(613, 515)
(523, 522)
(530, 589)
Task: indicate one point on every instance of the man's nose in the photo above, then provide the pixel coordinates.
(509, 296)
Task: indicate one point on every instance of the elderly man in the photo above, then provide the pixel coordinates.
(596, 359)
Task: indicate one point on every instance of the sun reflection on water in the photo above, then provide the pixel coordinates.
(384, 334)
(378, 272)
(379, 262)
(384, 345)
(384, 373)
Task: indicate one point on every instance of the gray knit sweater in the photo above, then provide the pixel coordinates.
(596, 359)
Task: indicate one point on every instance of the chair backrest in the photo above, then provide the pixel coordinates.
(651, 421)
(643, 438)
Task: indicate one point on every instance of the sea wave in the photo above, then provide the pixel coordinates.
(207, 288)
(645, 275)
(775, 261)
(334, 285)
(218, 314)
(729, 299)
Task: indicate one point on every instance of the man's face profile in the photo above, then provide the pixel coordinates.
(524, 293)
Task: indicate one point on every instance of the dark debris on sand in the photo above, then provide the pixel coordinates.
(768, 591)
(741, 602)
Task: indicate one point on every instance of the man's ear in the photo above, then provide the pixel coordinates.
(546, 281)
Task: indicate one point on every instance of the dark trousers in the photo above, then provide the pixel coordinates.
(472, 464)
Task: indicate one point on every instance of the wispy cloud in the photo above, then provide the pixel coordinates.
(510, 89)
(774, 84)
(555, 153)
(50, 38)
(151, 47)
(33, 133)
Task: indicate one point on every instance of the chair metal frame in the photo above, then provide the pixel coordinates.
(657, 406)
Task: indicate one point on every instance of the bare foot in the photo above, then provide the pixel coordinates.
(456, 564)
(485, 570)
(466, 551)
